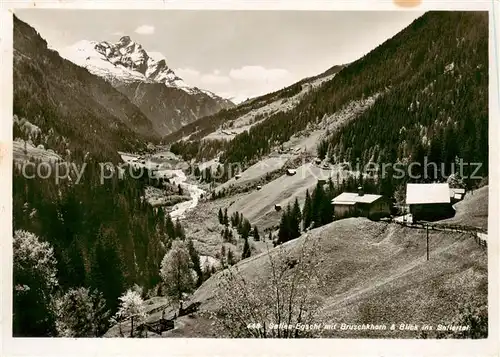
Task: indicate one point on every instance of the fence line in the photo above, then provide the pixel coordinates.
(478, 234)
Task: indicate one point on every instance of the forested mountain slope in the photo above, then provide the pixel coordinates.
(198, 137)
(432, 81)
(74, 109)
(434, 76)
(439, 109)
(103, 235)
(94, 232)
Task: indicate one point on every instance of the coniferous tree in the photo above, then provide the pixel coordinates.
(331, 187)
(256, 236)
(208, 175)
(284, 234)
(179, 231)
(197, 172)
(230, 257)
(295, 220)
(107, 271)
(239, 225)
(207, 272)
(318, 198)
(327, 210)
(195, 260)
(223, 257)
(235, 217)
(221, 216)
(246, 228)
(246, 250)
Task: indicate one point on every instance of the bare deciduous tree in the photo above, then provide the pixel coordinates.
(278, 305)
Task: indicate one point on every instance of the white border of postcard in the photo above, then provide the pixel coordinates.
(218, 347)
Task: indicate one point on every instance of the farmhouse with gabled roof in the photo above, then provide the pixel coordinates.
(351, 204)
(429, 201)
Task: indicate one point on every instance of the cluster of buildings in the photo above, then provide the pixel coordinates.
(424, 201)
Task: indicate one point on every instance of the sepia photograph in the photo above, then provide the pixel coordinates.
(250, 174)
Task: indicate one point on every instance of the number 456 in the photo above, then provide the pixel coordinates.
(254, 325)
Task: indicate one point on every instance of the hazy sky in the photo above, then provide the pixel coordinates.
(236, 54)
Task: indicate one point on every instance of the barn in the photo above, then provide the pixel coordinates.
(351, 204)
(429, 201)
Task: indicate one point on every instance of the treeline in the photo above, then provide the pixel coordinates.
(104, 236)
(317, 209)
(206, 125)
(222, 173)
(243, 227)
(199, 150)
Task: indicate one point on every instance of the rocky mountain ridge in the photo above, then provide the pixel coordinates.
(147, 80)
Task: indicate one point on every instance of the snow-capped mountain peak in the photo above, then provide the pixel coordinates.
(124, 61)
(147, 80)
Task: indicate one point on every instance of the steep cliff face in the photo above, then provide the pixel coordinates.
(170, 108)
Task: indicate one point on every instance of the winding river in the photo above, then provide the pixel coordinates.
(195, 192)
(176, 176)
